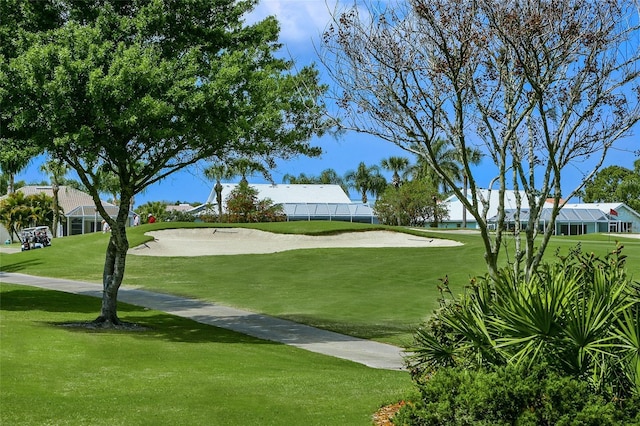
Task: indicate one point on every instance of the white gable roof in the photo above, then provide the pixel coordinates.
(290, 193)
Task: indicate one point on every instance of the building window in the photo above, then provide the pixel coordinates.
(569, 229)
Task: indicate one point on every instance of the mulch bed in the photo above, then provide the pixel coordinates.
(383, 416)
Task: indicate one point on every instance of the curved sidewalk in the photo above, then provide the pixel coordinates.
(367, 352)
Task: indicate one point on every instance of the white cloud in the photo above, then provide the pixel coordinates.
(301, 21)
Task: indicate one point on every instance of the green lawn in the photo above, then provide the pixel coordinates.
(178, 372)
(375, 293)
(181, 372)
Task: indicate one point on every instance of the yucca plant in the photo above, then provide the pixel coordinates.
(527, 320)
(628, 333)
(579, 316)
(456, 334)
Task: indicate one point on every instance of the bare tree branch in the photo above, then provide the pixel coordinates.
(536, 85)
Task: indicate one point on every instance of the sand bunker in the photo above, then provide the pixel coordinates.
(229, 241)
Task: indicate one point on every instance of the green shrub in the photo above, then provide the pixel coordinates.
(511, 395)
(179, 216)
(411, 204)
(580, 315)
(243, 206)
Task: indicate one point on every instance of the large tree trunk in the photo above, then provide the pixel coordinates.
(113, 274)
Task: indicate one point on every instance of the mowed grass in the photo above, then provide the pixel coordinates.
(374, 293)
(177, 372)
(182, 372)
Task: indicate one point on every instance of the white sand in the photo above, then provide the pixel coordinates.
(228, 241)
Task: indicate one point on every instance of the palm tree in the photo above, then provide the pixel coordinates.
(451, 162)
(219, 171)
(447, 159)
(108, 182)
(473, 158)
(326, 177)
(297, 180)
(15, 155)
(395, 165)
(21, 211)
(14, 213)
(247, 167)
(157, 209)
(56, 169)
(41, 209)
(331, 177)
(366, 180)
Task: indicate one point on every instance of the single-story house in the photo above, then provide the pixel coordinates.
(618, 218)
(302, 202)
(573, 218)
(80, 215)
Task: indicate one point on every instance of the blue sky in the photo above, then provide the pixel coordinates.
(302, 22)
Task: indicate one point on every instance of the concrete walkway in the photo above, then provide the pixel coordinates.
(367, 352)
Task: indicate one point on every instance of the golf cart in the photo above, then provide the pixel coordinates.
(36, 237)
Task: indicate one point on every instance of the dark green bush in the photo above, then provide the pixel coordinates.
(510, 395)
(580, 316)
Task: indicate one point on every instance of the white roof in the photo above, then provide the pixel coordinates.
(455, 206)
(605, 207)
(290, 193)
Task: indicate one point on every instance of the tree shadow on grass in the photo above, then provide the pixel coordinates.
(361, 330)
(147, 324)
(18, 266)
(37, 299)
(183, 330)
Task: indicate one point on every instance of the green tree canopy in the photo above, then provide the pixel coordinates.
(447, 158)
(19, 20)
(143, 88)
(615, 184)
(414, 203)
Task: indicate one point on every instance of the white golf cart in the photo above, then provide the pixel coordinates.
(36, 237)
